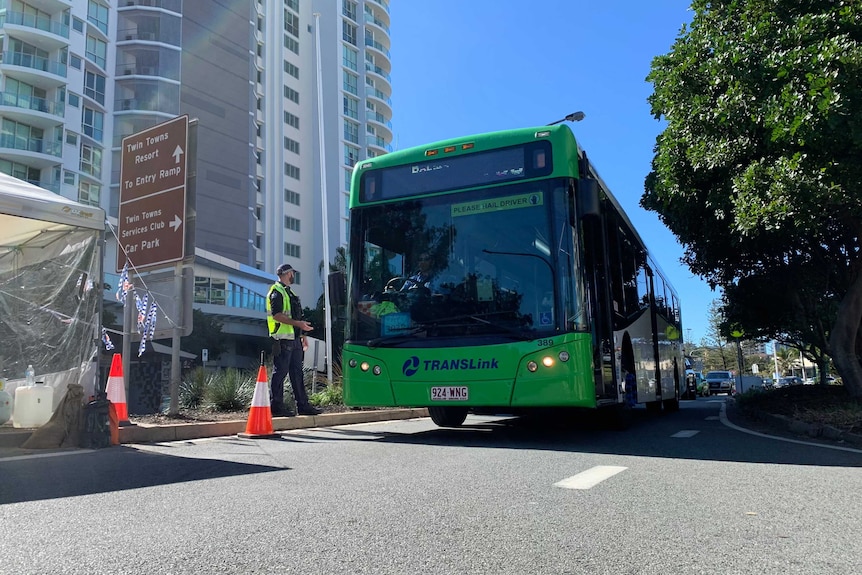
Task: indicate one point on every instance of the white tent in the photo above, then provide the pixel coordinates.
(50, 284)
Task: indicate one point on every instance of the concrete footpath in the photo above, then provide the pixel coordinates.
(12, 438)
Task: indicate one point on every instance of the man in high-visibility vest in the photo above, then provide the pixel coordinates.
(286, 327)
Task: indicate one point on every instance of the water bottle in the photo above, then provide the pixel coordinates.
(30, 375)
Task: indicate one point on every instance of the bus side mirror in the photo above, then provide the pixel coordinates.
(588, 198)
(337, 289)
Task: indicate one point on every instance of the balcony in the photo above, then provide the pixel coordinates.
(380, 120)
(172, 5)
(383, 4)
(32, 62)
(377, 142)
(371, 92)
(34, 104)
(371, 19)
(35, 152)
(378, 70)
(378, 46)
(34, 22)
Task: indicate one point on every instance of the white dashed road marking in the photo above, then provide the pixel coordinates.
(686, 433)
(590, 477)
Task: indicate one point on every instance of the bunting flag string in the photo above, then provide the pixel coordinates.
(106, 339)
(141, 304)
(124, 284)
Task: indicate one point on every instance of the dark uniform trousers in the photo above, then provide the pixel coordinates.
(288, 363)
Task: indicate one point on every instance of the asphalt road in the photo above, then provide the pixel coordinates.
(678, 493)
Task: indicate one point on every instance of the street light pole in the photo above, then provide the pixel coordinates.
(323, 200)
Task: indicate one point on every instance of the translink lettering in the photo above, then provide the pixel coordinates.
(460, 364)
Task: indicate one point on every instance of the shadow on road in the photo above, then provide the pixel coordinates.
(703, 437)
(107, 470)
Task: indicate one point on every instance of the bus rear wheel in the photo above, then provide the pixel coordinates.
(448, 416)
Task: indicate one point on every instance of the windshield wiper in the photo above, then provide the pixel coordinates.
(372, 343)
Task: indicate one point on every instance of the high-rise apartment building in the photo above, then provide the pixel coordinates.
(77, 76)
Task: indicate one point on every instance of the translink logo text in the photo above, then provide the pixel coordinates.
(411, 365)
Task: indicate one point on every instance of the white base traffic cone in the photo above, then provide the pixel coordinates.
(116, 390)
(259, 424)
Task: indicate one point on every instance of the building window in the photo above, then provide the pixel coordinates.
(348, 32)
(291, 145)
(351, 155)
(78, 25)
(291, 70)
(291, 171)
(349, 58)
(348, 174)
(351, 83)
(291, 223)
(75, 61)
(94, 86)
(351, 132)
(98, 16)
(291, 250)
(291, 44)
(89, 193)
(73, 100)
(292, 4)
(291, 120)
(291, 94)
(291, 197)
(348, 8)
(69, 177)
(72, 138)
(93, 123)
(91, 160)
(351, 107)
(20, 171)
(96, 51)
(291, 23)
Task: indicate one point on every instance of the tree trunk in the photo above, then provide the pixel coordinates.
(842, 340)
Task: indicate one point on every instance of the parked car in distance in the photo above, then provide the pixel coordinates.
(720, 382)
(787, 381)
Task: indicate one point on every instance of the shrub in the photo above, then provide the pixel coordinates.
(193, 388)
(332, 394)
(230, 390)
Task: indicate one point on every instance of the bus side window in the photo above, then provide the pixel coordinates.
(643, 287)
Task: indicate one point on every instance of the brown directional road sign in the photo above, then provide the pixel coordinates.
(152, 212)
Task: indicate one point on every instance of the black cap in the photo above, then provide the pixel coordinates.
(283, 269)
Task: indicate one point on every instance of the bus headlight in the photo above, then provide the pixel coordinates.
(377, 370)
(532, 366)
(564, 356)
(364, 366)
(547, 361)
(352, 362)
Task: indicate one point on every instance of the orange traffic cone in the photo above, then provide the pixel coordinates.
(259, 424)
(117, 390)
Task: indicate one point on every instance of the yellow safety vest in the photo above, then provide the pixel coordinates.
(277, 328)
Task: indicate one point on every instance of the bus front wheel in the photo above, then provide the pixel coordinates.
(448, 416)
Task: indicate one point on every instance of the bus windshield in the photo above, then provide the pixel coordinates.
(479, 263)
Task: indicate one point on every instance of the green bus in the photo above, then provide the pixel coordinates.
(538, 291)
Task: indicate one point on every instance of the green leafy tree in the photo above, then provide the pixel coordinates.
(757, 171)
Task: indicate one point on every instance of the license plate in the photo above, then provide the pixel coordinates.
(450, 393)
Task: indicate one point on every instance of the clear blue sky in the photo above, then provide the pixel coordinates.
(461, 67)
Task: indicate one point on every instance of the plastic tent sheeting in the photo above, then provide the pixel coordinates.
(50, 286)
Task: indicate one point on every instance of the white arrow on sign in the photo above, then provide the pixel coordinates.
(176, 223)
(177, 153)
